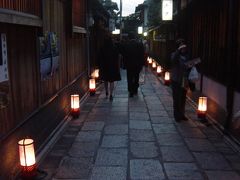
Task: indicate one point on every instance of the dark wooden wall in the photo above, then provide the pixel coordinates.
(26, 6)
(73, 59)
(55, 21)
(27, 91)
(207, 37)
(36, 107)
(23, 84)
(212, 32)
(79, 11)
(96, 42)
(237, 49)
(162, 43)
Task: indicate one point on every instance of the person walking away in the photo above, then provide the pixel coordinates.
(179, 77)
(133, 56)
(109, 67)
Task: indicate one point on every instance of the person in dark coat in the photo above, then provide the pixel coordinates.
(133, 56)
(109, 68)
(179, 80)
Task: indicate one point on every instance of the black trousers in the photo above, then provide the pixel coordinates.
(179, 100)
(133, 80)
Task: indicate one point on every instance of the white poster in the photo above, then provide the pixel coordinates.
(3, 59)
(49, 55)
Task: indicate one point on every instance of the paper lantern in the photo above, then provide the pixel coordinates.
(159, 70)
(92, 86)
(154, 65)
(27, 157)
(202, 107)
(75, 105)
(148, 58)
(150, 61)
(167, 78)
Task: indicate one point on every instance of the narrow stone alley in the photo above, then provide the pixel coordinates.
(137, 138)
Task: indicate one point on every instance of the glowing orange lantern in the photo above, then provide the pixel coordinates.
(154, 65)
(92, 86)
(96, 73)
(202, 107)
(159, 70)
(27, 157)
(150, 61)
(167, 78)
(75, 105)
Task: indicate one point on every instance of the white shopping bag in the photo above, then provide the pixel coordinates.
(193, 75)
(142, 76)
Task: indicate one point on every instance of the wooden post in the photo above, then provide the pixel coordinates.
(120, 20)
(231, 54)
(87, 6)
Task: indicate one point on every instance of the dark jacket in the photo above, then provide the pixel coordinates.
(179, 71)
(109, 69)
(133, 55)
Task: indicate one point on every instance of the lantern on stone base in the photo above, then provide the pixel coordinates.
(154, 65)
(92, 87)
(150, 61)
(202, 107)
(167, 78)
(159, 70)
(75, 105)
(27, 158)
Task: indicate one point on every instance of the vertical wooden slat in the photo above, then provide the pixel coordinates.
(23, 63)
(26, 6)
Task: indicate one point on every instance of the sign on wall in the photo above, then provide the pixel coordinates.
(49, 54)
(167, 10)
(3, 59)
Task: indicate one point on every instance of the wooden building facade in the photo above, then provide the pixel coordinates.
(212, 32)
(30, 105)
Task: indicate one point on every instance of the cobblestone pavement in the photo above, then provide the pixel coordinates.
(137, 138)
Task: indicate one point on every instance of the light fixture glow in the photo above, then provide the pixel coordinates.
(167, 10)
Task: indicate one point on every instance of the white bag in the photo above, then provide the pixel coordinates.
(193, 75)
(142, 76)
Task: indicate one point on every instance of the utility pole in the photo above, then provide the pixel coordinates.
(120, 20)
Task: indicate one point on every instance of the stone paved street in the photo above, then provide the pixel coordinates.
(137, 138)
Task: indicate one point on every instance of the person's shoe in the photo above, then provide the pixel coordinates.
(184, 118)
(111, 98)
(177, 119)
(130, 94)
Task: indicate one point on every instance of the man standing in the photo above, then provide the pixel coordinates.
(179, 77)
(133, 56)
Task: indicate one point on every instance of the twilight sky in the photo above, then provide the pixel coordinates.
(128, 6)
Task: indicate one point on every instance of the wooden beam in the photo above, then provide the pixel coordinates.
(15, 17)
